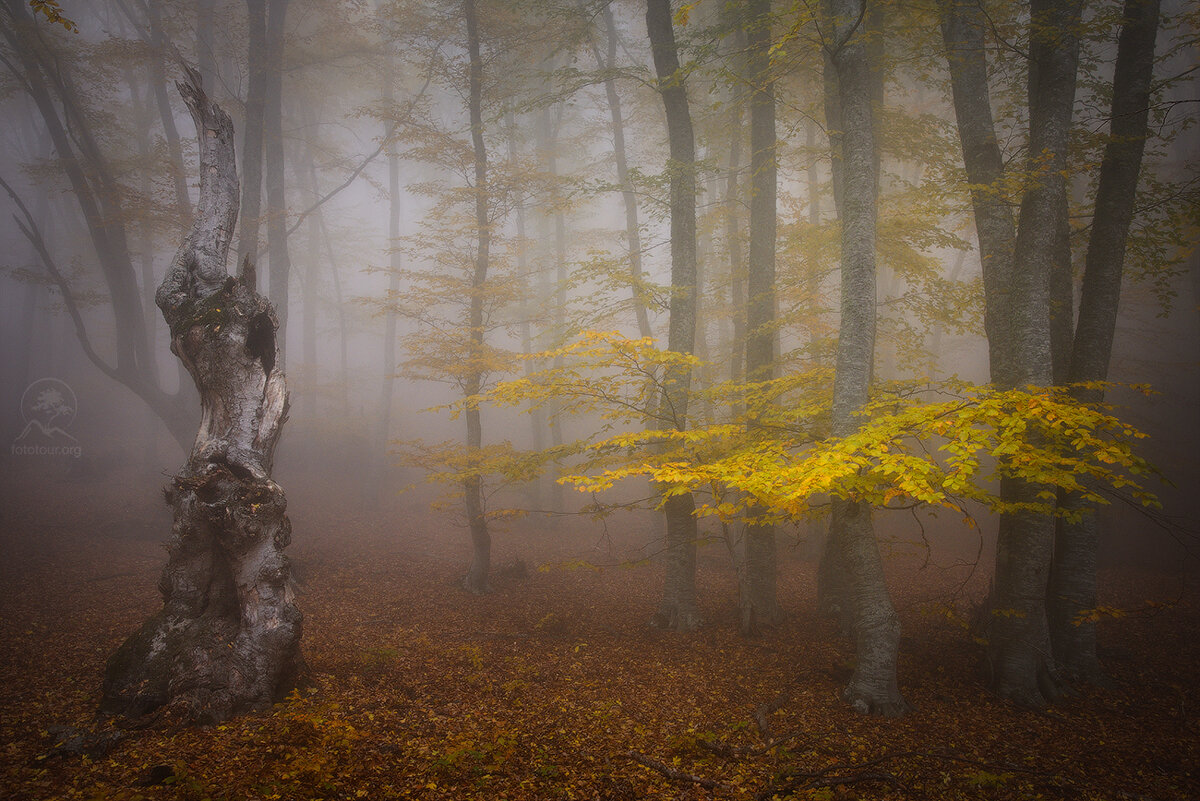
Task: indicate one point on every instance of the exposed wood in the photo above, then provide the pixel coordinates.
(227, 639)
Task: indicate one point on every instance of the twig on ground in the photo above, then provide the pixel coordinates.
(676, 775)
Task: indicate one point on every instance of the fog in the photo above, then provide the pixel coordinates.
(364, 235)
(364, 85)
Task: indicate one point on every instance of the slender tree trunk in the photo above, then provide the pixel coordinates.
(963, 27)
(227, 638)
(206, 63)
(343, 327)
(252, 133)
(677, 611)
(170, 132)
(733, 239)
(553, 238)
(537, 416)
(759, 602)
(633, 236)
(706, 254)
(812, 175)
(50, 85)
(560, 290)
(148, 283)
(476, 580)
(1019, 653)
(280, 261)
(308, 301)
(876, 628)
(391, 316)
(19, 348)
(1073, 570)
(833, 575)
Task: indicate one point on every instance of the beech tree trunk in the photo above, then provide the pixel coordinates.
(252, 135)
(537, 415)
(551, 119)
(963, 27)
(677, 610)
(50, 84)
(758, 601)
(383, 432)
(476, 580)
(227, 639)
(279, 259)
(833, 576)
(1019, 652)
(633, 236)
(875, 626)
(733, 240)
(1073, 569)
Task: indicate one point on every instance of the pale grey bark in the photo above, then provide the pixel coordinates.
(537, 414)
(1018, 653)
(227, 638)
(875, 626)
(758, 600)
(557, 501)
(677, 610)
(812, 174)
(633, 236)
(963, 30)
(732, 203)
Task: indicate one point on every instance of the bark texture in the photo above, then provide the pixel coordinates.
(963, 27)
(677, 610)
(1018, 652)
(1073, 570)
(227, 639)
(875, 626)
(758, 598)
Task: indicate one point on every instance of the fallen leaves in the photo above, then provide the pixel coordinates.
(553, 687)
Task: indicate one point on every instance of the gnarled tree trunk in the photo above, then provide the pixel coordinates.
(227, 639)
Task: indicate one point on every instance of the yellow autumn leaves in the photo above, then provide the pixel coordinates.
(766, 445)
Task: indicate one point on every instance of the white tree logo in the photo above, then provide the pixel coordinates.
(49, 407)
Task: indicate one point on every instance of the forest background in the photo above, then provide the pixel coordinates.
(404, 283)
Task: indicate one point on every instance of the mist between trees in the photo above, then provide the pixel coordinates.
(777, 272)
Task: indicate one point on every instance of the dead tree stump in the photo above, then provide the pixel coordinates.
(227, 639)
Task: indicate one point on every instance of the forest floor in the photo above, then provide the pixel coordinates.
(553, 686)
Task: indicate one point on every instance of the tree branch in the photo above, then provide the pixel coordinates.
(676, 775)
(31, 232)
